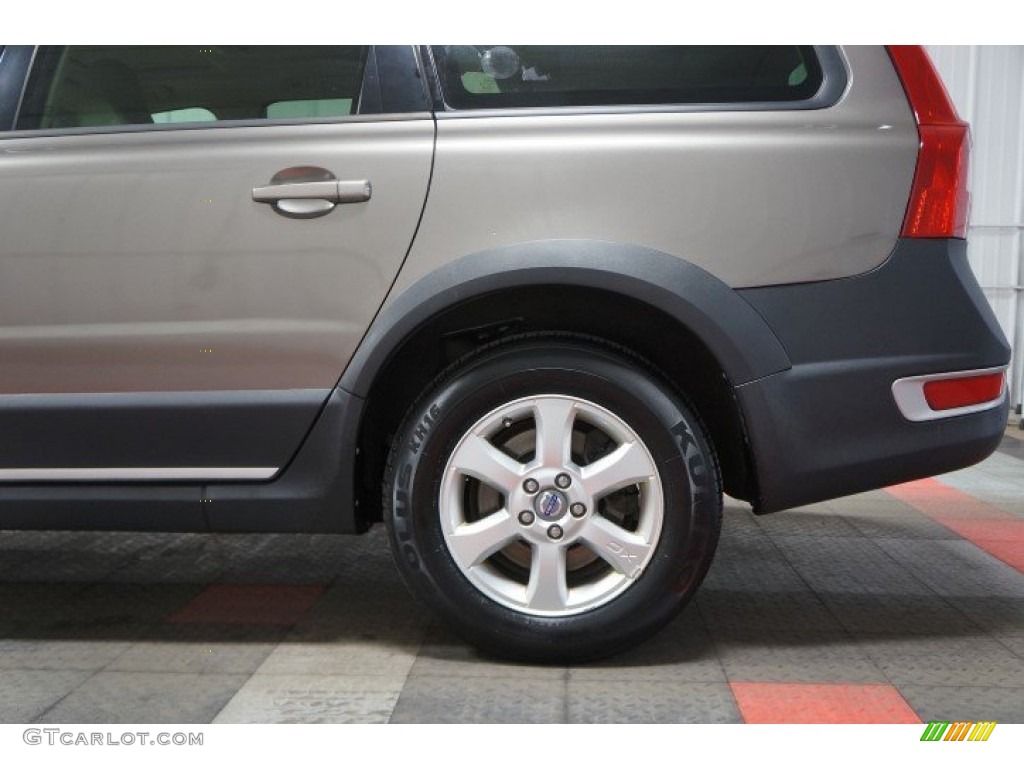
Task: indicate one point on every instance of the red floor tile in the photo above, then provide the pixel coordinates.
(987, 527)
(821, 703)
(266, 604)
(1010, 551)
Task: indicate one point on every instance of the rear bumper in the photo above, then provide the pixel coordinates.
(830, 425)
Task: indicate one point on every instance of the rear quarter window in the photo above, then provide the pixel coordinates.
(503, 76)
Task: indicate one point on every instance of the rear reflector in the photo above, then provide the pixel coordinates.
(939, 200)
(945, 394)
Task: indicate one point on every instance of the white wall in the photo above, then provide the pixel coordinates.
(987, 85)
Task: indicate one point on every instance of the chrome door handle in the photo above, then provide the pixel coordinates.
(333, 191)
(305, 192)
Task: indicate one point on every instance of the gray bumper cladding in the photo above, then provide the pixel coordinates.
(830, 425)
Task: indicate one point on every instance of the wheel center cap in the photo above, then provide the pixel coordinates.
(550, 504)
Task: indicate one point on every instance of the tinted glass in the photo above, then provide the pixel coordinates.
(84, 86)
(497, 76)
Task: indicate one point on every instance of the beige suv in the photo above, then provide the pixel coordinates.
(552, 300)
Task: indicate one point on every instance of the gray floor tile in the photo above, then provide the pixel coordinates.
(313, 699)
(651, 702)
(146, 697)
(34, 653)
(972, 703)
(346, 596)
(394, 620)
(900, 615)
(114, 609)
(519, 699)
(878, 503)
(917, 527)
(46, 540)
(183, 559)
(25, 693)
(740, 614)
(956, 568)
(125, 603)
(286, 559)
(753, 564)
(1013, 644)
(1000, 616)
(682, 652)
(75, 565)
(202, 649)
(998, 481)
(975, 661)
(798, 658)
(19, 549)
(815, 521)
(360, 658)
(443, 655)
(38, 604)
(851, 566)
(738, 521)
(15, 562)
(736, 511)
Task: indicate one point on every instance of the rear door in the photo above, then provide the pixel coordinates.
(194, 241)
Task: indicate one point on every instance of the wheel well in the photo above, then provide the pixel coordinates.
(670, 348)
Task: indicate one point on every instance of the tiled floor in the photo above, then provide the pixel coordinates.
(892, 606)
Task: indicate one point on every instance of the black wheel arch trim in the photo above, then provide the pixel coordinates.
(744, 345)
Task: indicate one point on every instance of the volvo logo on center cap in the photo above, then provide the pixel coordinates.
(550, 504)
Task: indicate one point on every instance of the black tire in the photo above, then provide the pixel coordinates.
(673, 436)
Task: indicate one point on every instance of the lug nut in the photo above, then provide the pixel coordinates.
(530, 485)
(555, 532)
(563, 481)
(526, 517)
(577, 509)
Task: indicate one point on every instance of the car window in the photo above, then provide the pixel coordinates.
(498, 76)
(90, 86)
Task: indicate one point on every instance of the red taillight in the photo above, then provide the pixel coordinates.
(939, 200)
(944, 394)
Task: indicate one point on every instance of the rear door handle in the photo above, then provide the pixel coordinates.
(305, 192)
(333, 191)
